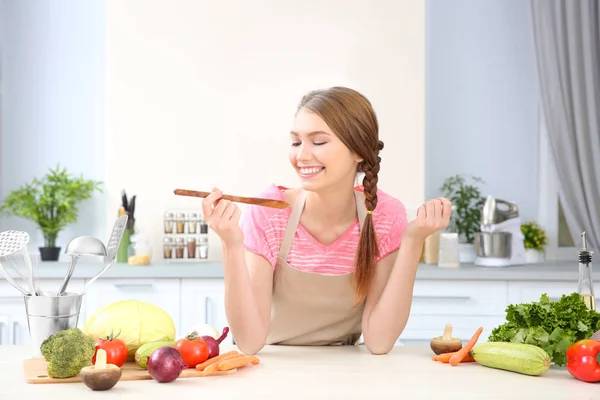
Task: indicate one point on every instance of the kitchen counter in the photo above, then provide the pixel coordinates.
(547, 271)
(320, 372)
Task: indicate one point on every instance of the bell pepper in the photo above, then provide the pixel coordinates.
(583, 360)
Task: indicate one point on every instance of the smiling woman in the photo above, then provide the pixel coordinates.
(341, 262)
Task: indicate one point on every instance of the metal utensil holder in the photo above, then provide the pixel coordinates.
(48, 314)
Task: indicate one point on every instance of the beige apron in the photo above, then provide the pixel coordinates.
(309, 308)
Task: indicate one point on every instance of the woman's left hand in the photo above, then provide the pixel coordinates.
(432, 216)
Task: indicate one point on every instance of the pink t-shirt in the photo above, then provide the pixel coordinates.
(264, 227)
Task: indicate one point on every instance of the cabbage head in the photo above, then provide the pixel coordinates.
(135, 322)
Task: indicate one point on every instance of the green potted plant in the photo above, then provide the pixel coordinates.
(51, 203)
(535, 241)
(467, 204)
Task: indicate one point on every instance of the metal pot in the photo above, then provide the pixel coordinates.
(493, 244)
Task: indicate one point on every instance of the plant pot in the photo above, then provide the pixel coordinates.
(49, 253)
(467, 253)
(534, 256)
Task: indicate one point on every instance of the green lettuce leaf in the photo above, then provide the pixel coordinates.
(550, 325)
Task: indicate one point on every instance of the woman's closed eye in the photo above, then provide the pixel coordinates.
(296, 144)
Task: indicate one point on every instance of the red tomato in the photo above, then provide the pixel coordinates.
(116, 350)
(193, 350)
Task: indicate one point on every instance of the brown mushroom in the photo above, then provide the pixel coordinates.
(101, 376)
(445, 343)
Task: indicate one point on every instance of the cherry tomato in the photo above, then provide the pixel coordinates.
(193, 350)
(116, 350)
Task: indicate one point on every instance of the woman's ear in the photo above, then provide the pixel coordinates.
(359, 165)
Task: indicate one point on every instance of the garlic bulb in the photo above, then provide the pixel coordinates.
(207, 330)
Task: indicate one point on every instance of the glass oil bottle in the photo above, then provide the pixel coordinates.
(586, 284)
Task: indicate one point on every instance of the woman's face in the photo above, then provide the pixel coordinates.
(319, 157)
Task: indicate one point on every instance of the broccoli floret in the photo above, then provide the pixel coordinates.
(67, 352)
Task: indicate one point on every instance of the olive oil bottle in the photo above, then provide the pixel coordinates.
(586, 284)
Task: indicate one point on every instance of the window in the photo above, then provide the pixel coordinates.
(561, 245)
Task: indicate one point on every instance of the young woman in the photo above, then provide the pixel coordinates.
(341, 260)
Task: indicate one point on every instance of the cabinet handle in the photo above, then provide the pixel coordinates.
(207, 320)
(1, 331)
(134, 286)
(464, 298)
(14, 332)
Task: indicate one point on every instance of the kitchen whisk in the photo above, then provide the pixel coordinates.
(15, 260)
(24, 265)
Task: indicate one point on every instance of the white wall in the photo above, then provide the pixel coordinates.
(53, 94)
(203, 93)
(482, 98)
(202, 75)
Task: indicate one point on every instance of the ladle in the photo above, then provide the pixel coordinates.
(81, 246)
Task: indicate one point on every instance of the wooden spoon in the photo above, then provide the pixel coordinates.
(237, 199)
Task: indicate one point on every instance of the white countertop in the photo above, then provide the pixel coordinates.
(547, 271)
(319, 372)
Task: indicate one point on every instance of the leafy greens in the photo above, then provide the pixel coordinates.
(550, 325)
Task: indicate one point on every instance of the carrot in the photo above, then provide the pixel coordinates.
(254, 360)
(466, 349)
(232, 363)
(201, 367)
(211, 369)
(444, 357)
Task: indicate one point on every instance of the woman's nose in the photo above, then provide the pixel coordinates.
(304, 153)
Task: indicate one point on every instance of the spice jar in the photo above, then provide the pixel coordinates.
(179, 246)
(192, 223)
(191, 247)
(203, 228)
(168, 248)
(169, 221)
(139, 251)
(181, 223)
(202, 247)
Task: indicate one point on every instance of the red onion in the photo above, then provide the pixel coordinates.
(165, 364)
(213, 344)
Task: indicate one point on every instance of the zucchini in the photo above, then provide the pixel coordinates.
(516, 357)
(146, 350)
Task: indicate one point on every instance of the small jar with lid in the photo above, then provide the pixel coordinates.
(202, 247)
(169, 222)
(179, 247)
(203, 228)
(191, 247)
(192, 223)
(168, 248)
(139, 251)
(180, 222)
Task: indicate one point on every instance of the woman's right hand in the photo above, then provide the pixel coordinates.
(223, 217)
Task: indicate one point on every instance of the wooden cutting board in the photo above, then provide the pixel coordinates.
(35, 372)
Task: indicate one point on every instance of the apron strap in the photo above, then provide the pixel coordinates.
(361, 209)
(290, 229)
(292, 225)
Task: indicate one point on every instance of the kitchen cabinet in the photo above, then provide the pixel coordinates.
(526, 292)
(463, 298)
(163, 293)
(203, 302)
(466, 305)
(13, 323)
(13, 320)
